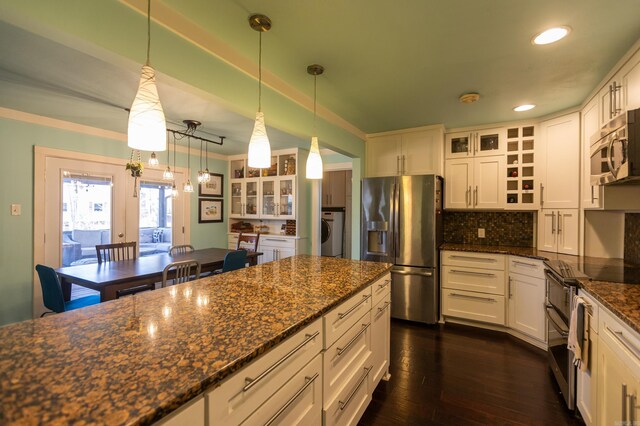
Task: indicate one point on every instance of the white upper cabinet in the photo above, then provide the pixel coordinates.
(408, 152)
(558, 231)
(475, 183)
(631, 81)
(591, 194)
(560, 156)
(476, 143)
(458, 181)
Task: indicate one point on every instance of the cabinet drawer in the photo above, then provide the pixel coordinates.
(621, 339)
(343, 317)
(352, 400)
(192, 414)
(474, 306)
(238, 397)
(595, 317)
(473, 260)
(343, 358)
(530, 267)
(473, 279)
(299, 402)
(277, 242)
(380, 289)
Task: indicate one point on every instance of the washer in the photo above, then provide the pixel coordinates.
(332, 233)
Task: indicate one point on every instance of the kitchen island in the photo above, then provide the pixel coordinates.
(137, 359)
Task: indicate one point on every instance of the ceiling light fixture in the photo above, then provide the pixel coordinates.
(168, 174)
(203, 175)
(522, 108)
(551, 35)
(147, 125)
(314, 160)
(259, 147)
(469, 98)
(153, 160)
(192, 125)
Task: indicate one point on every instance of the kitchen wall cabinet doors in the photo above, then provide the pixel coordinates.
(407, 152)
(244, 198)
(476, 143)
(526, 297)
(334, 186)
(558, 231)
(475, 183)
(278, 197)
(631, 82)
(560, 156)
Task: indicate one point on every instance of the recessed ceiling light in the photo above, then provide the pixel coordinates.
(524, 108)
(551, 35)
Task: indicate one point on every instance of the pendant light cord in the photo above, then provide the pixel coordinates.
(148, 30)
(260, 72)
(200, 155)
(315, 97)
(168, 150)
(189, 157)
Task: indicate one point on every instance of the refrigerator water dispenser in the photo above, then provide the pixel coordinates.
(377, 238)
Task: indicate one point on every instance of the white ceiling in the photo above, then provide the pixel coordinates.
(390, 65)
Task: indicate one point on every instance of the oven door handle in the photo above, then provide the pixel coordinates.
(553, 322)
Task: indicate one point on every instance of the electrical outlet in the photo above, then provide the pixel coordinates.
(480, 232)
(16, 209)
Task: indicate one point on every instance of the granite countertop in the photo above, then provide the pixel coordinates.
(134, 360)
(621, 298)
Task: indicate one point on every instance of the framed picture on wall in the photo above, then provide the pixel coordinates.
(213, 188)
(210, 211)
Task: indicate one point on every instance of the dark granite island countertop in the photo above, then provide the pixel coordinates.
(134, 360)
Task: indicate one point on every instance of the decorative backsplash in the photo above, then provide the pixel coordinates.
(632, 237)
(501, 228)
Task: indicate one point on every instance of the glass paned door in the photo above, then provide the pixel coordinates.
(155, 231)
(286, 198)
(237, 195)
(251, 198)
(268, 197)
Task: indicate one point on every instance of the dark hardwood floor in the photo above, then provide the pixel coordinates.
(457, 375)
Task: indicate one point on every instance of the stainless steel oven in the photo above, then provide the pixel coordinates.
(560, 293)
(615, 150)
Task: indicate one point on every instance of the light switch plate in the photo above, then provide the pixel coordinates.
(480, 232)
(16, 209)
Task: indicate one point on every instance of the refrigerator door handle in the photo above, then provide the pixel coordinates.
(396, 219)
(422, 274)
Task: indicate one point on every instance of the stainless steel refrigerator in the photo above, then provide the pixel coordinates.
(402, 224)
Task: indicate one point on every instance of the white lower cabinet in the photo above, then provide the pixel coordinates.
(474, 306)
(192, 414)
(380, 332)
(526, 297)
(271, 247)
(586, 389)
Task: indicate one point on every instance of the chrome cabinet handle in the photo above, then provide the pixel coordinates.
(475, 196)
(553, 222)
(252, 382)
(386, 283)
(466, 296)
(386, 305)
(483, 259)
(632, 409)
(610, 101)
(344, 404)
(354, 307)
(470, 197)
(422, 274)
(541, 195)
(352, 341)
(620, 337)
(559, 222)
(281, 240)
(616, 88)
(308, 382)
(624, 403)
(398, 164)
(510, 294)
(592, 196)
(483, 274)
(466, 197)
(517, 262)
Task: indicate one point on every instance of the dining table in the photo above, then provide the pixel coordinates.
(110, 277)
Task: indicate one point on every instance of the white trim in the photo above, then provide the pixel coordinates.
(54, 123)
(411, 129)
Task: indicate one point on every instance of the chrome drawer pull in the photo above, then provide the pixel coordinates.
(348, 345)
(477, 259)
(308, 382)
(625, 342)
(484, 274)
(386, 283)
(386, 305)
(488, 299)
(353, 308)
(344, 404)
(276, 240)
(517, 262)
(252, 382)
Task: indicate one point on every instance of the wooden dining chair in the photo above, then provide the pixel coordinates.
(52, 293)
(182, 272)
(116, 251)
(248, 242)
(181, 249)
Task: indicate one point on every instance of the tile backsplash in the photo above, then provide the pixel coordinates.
(501, 228)
(632, 237)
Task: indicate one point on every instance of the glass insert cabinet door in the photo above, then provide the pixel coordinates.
(237, 194)
(286, 192)
(251, 199)
(269, 208)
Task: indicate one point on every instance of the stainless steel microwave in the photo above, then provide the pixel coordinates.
(615, 151)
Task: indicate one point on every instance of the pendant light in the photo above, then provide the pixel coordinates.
(153, 160)
(314, 160)
(203, 175)
(147, 125)
(168, 174)
(259, 147)
(188, 187)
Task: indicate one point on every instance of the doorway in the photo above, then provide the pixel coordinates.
(336, 207)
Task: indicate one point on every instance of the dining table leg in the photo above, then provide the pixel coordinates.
(66, 288)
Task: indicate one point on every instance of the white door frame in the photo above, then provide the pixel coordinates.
(40, 158)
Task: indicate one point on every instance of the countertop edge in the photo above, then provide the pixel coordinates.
(506, 250)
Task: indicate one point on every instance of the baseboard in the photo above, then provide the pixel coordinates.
(496, 327)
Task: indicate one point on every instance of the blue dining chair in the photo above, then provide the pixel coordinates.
(234, 260)
(52, 293)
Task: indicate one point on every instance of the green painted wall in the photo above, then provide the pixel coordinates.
(17, 141)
